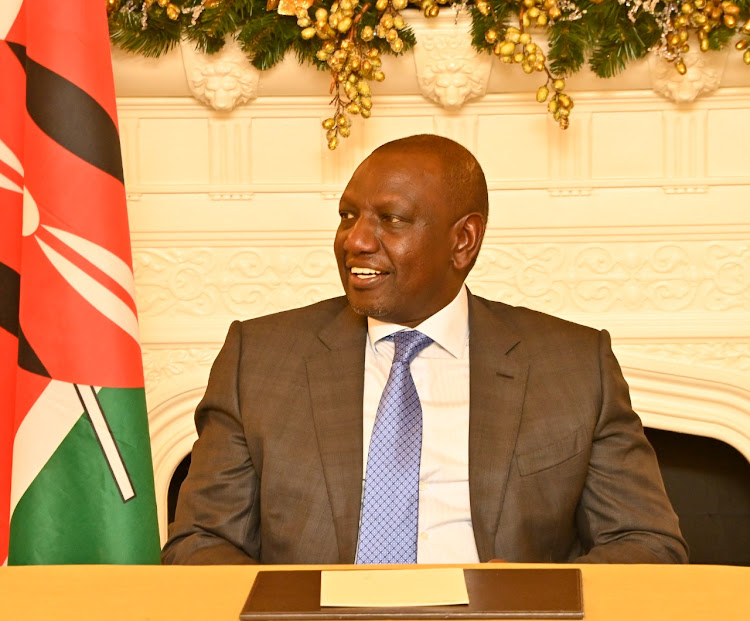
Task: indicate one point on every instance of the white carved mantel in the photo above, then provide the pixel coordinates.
(636, 219)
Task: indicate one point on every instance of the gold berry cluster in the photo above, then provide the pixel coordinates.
(516, 47)
(350, 56)
(538, 12)
(743, 45)
(531, 12)
(353, 64)
(389, 25)
(702, 16)
(559, 104)
(431, 8)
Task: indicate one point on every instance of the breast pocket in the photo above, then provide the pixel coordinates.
(553, 454)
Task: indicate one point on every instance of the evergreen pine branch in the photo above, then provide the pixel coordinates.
(408, 37)
(620, 41)
(568, 43)
(503, 8)
(161, 35)
(305, 53)
(267, 38)
(718, 38)
(214, 24)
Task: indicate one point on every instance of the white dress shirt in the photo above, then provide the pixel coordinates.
(441, 376)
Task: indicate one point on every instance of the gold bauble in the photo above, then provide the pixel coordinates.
(292, 7)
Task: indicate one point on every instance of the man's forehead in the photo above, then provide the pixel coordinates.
(393, 163)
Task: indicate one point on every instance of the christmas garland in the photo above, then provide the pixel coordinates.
(347, 37)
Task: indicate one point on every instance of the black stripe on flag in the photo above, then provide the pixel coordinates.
(10, 291)
(20, 52)
(72, 118)
(27, 358)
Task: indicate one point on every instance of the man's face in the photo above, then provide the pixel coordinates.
(394, 244)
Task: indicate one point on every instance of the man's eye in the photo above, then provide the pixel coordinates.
(391, 219)
(345, 215)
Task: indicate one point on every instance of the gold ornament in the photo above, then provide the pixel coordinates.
(290, 7)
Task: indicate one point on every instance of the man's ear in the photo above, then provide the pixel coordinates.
(468, 233)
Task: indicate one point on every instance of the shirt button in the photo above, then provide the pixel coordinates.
(421, 487)
(423, 536)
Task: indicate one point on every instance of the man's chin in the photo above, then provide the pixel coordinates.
(368, 310)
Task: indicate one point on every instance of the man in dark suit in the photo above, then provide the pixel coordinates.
(530, 449)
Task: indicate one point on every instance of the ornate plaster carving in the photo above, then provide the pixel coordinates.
(449, 69)
(618, 276)
(703, 75)
(223, 80)
(163, 365)
(238, 282)
(555, 276)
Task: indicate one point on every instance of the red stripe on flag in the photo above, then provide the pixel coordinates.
(75, 342)
(8, 354)
(12, 105)
(87, 266)
(76, 197)
(11, 175)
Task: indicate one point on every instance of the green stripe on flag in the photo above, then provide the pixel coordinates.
(73, 511)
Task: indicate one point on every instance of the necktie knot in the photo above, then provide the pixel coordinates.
(409, 344)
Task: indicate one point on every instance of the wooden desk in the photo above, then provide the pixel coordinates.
(122, 593)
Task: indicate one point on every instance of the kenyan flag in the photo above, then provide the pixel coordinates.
(76, 480)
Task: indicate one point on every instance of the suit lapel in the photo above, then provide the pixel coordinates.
(497, 388)
(336, 380)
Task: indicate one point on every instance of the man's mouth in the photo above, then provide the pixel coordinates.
(365, 273)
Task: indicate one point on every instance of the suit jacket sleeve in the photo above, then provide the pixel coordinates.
(217, 515)
(624, 515)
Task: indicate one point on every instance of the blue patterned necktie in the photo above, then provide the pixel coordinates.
(390, 507)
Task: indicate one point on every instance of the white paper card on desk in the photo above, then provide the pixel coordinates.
(390, 588)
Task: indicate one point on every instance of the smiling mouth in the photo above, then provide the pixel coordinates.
(365, 273)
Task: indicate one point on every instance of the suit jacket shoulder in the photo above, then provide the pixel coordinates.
(530, 323)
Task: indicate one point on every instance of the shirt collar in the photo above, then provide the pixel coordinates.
(449, 327)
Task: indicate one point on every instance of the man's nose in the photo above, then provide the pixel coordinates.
(361, 237)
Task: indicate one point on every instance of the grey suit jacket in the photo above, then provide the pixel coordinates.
(559, 468)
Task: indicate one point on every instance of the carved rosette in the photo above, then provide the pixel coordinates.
(449, 70)
(703, 75)
(223, 80)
